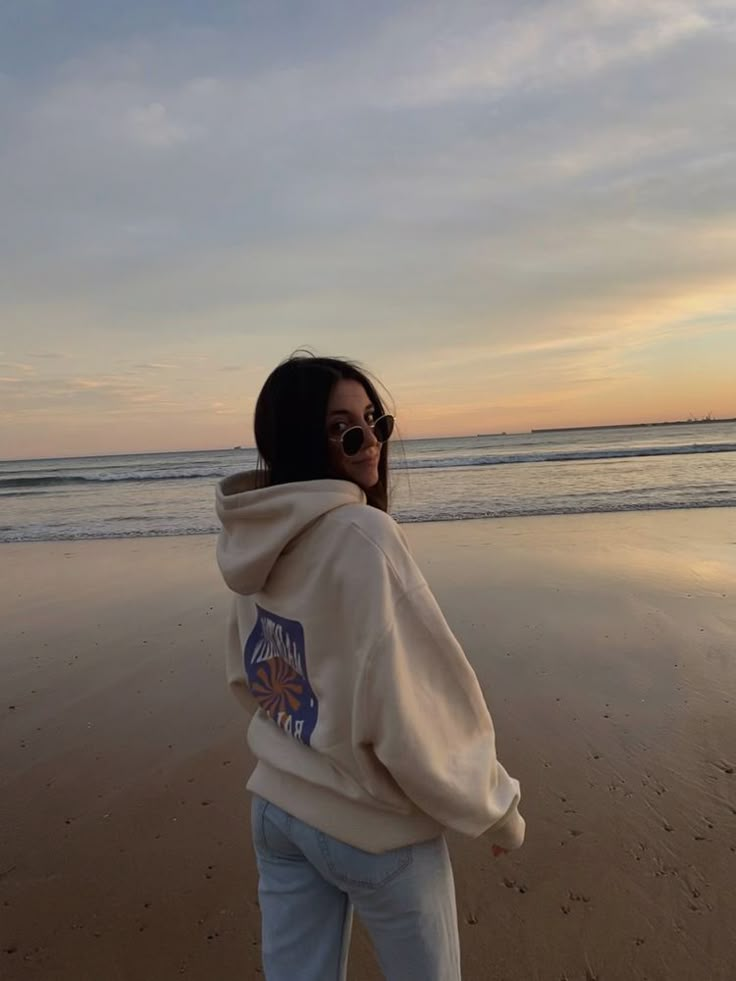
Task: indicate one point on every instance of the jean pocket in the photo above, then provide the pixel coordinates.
(353, 867)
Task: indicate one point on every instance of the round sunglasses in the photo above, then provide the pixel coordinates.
(353, 439)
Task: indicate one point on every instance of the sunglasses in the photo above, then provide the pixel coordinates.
(353, 439)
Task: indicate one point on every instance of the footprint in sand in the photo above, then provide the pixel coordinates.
(512, 884)
(578, 897)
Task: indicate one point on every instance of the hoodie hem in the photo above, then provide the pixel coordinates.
(350, 821)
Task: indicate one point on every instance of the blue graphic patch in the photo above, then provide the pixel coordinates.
(276, 669)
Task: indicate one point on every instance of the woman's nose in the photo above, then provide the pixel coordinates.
(371, 436)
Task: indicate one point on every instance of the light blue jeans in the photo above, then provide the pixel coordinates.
(309, 884)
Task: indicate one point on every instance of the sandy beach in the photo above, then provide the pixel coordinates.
(605, 644)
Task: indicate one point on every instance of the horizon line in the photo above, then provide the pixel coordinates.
(707, 420)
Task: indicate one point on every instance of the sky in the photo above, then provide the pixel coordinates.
(516, 214)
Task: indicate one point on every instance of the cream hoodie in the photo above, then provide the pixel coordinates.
(367, 720)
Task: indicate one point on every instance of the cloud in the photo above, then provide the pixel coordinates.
(154, 366)
(536, 45)
(18, 366)
(153, 126)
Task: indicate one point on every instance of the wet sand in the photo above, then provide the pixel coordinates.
(606, 645)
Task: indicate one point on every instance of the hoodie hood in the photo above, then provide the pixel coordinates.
(259, 524)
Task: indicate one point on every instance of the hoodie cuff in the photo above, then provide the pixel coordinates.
(510, 834)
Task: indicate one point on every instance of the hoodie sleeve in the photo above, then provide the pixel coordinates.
(234, 660)
(423, 713)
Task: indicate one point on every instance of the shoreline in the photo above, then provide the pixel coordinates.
(604, 644)
(678, 508)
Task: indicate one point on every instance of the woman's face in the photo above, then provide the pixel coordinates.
(349, 405)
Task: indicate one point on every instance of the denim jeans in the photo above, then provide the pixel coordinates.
(310, 883)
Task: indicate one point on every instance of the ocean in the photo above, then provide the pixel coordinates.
(574, 472)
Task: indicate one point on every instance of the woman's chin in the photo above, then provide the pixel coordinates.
(366, 477)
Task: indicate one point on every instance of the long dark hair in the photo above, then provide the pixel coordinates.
(290, 419)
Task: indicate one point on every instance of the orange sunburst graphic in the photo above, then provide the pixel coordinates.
(277, 687)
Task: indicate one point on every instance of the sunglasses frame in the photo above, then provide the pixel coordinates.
(361, 429)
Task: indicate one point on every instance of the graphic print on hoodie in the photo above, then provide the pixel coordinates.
(276, 669)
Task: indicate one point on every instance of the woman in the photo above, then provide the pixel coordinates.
(368, 725)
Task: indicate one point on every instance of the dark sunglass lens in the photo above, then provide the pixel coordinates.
(383, 428)
(352, 440)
